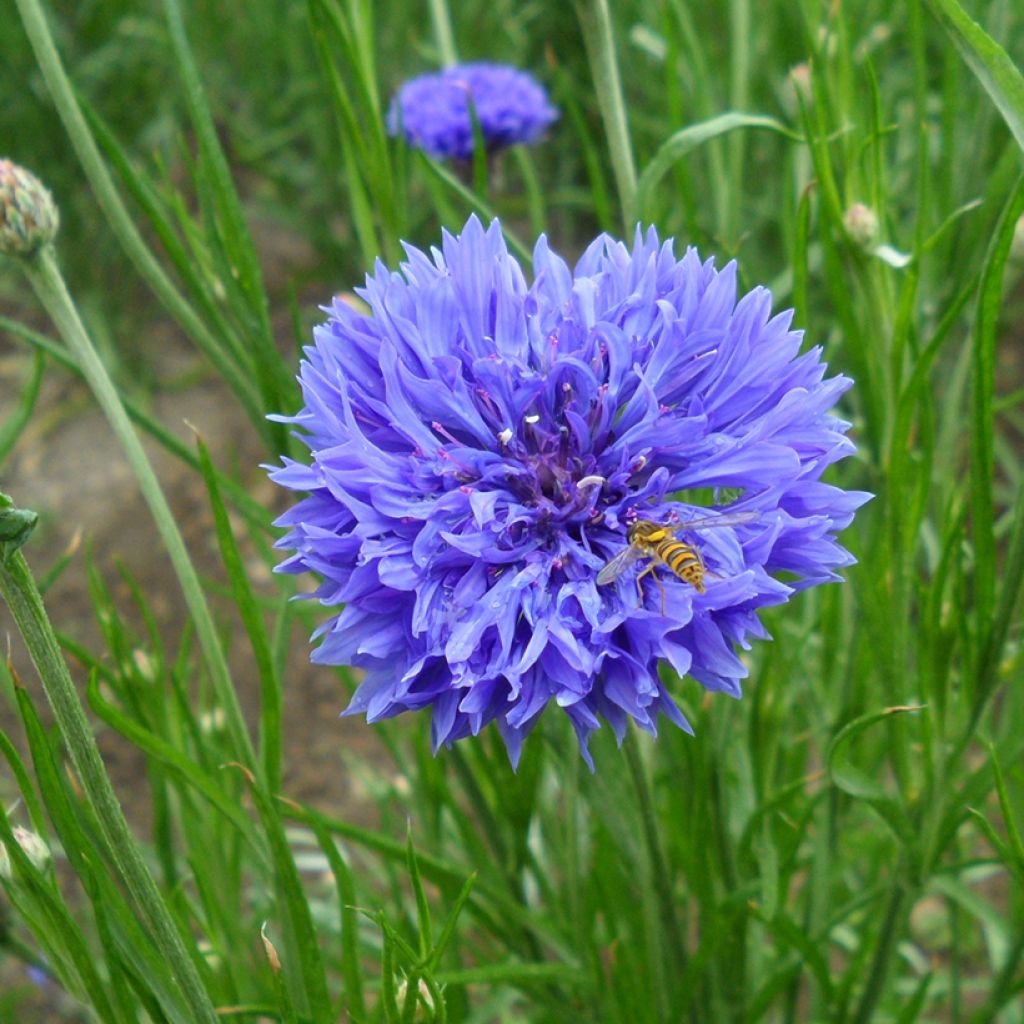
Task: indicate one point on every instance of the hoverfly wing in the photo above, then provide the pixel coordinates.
(618, 565)
(710, 522)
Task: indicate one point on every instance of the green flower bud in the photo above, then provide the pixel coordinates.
(35, 849)
(16, 526)
(862, 224)
(28, 214)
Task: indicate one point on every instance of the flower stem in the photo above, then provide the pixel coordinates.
(596, 23)
(22, 596)
(116, 212)
(887, 937)
(46, 279)
(445, 38)
(659, 867)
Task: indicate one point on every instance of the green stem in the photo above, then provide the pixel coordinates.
(117, 214)
(46, 279)
(659, 866)
(596, 23)
(22, 596)
(442, 21)
(887, 938)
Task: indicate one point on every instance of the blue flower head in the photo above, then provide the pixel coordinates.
(481, 446)
(433, 111)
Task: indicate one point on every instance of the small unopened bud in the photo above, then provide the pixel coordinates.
(798, 87)
(424, 1003)
(861, 222)
(268, 948)
(1017, 243)
(35, 849)
(28, 214)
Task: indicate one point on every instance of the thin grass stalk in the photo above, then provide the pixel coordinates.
(117, 215)
(251, 510)
(46, 279)
(656, 856)
(890, 929)
(596, 22)
(441, 19)
(26, 604)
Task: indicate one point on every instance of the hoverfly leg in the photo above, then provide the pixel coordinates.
(640, 587)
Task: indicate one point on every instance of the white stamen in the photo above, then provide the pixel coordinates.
(589, 481)
(505, 435)
(532, 418)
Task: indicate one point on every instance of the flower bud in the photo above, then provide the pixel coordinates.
(35, 849)
(1017, 243)
(861, 222)
(28, 214)
(425, 1003)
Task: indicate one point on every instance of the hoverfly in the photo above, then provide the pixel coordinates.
(658, 542)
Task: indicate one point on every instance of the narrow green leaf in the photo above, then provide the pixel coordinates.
(255, 627)
(998, 75)
(514, 974)
(911, 1010)
(71, 958)
(1009, 820)
(475, 203)
(388, 968)
(687, 139)
(20, 414)
(159, 749)
(448, 930)
(858, 783)
(25, 788)
(981, 436)
(255, 514)
(422, 906)
(232, 229)
(292, 900)
(351, 968)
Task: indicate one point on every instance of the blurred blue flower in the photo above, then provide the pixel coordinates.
(480, 446)
(432, 111)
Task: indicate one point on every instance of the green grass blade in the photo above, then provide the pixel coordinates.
(252, 616)
(161, 751)
(304, 946)
(476, 204)
(981, 436)
(101, 181)
(255, 514)
(422, 906)
(19, 416)
(351, 968)
(690, 138)
(858, 783)
(998, 74)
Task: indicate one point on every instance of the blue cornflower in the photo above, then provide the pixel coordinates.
(481, 446)
(433, 111)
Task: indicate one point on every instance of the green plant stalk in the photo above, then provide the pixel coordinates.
(46, 279)
(252, 511)
(114, 210)
(441, 19)
(659, 868)
(596, 22)
(891, 928)
(22, 596)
